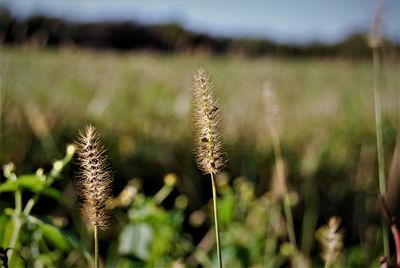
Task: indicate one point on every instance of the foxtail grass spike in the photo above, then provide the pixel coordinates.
(375, 36)
(94, 178)
(273, 122)
(272, 111)
(208, 140)
(207, 125)
(375, 43)
(331, 239)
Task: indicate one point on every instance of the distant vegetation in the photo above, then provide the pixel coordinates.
(45, 31)
(140, 103)
(311, 134)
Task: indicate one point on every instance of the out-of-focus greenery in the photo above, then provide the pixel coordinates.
(140, 103)
(151, 236)
(37, 240)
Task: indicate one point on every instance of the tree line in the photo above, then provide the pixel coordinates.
(167, 38)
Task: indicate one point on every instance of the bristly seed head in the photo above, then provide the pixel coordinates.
(272, 110)
(375, 36)
(331, 238)
(207, 125)
(94, 177)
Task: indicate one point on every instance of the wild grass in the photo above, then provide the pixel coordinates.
(95, 183)
(325, 92)
(274, 124)
(375, 43)
(208, 138)
(331, 239)
(141, 102)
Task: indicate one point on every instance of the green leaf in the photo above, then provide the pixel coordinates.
(135, 240)
(54, 235)
(34, 184)
(30, 182)
(53, 193)
(6, 230)
(9, 212)
(77, 244)
(226, 208)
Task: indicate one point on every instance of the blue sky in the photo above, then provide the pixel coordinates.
(302, 21)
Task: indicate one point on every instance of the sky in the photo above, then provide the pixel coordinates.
(284, 21)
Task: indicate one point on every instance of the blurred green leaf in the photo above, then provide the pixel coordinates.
(54, 235)
(135, 240)
(6, 229)
(140, 213)
(356, 257)
(227, 208)
(34, 184)
(30, 182)
(232, 257)
(53, 193)
(77, 244)
(9, 212)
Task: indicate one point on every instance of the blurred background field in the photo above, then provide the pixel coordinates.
(139, 100)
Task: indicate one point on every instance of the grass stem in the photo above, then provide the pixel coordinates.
(379, 145)
(289, 219)
(214, 192)
(281, 177)
(96, 247)
(18, 223)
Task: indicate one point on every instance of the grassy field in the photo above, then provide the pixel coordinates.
(140, 102)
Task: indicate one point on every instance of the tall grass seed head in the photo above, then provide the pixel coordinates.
(272, 110)
(330, 237)
(94, 178)
(375, 36)
(207, 125)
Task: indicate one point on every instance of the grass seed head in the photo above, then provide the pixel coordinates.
(207, 125)
(94, 178)
(331, 238)
(375, 37)
(272, 110)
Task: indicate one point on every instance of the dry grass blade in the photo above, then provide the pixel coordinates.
(95, 178)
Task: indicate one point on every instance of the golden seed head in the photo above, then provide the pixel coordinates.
(94, 177)
(272, 111)
(331, 238)
(207, 125)
(375, 37)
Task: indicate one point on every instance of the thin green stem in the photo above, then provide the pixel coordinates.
(379, 145)
(327, 263)
(96, 247)
(310, 217)
(162, 194)
(18, 223)
(214, 192)
(29, 205)
(286, 201)
(289, 219)
(378, 125)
